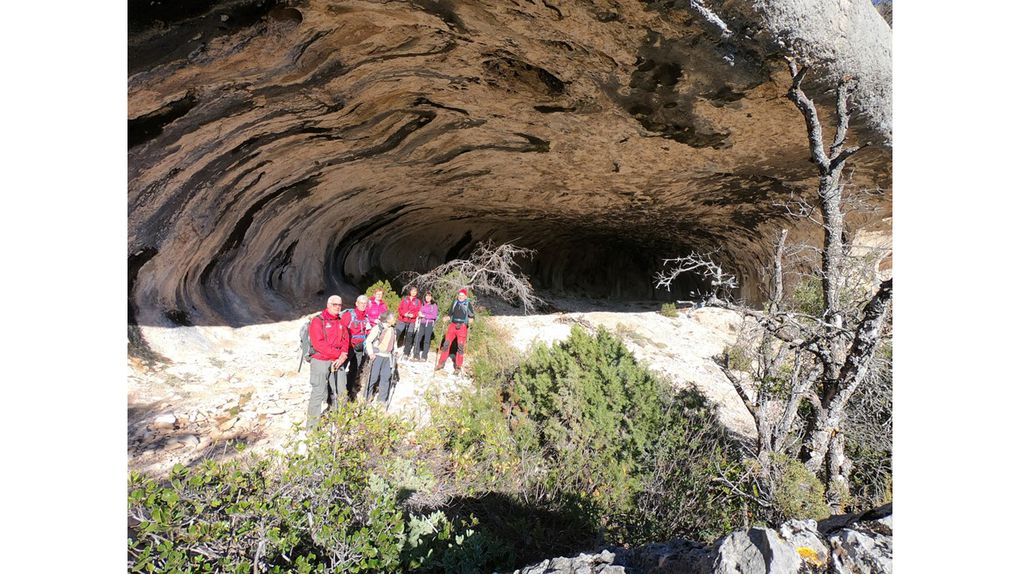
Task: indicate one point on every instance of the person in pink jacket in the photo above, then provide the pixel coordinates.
(376, 307)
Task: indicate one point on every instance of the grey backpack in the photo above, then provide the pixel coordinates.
(306, 342)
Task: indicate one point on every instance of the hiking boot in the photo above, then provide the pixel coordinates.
(439, 367)
(456, 370)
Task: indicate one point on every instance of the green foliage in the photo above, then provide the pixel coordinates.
(332, 509)
(668, 310)
(808, 297)
(739, 358)
(681, 496)
(590, 392)
(797, 492)
(607, 430)
(493, 358)
(391, 297)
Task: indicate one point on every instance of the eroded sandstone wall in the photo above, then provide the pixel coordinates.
(279, 151)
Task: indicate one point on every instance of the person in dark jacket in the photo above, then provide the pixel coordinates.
(461, 315)
(329, 340)
(423, 335)
(407, 318)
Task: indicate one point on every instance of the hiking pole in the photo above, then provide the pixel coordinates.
(467, 334)
(440, 352)
(394, 379)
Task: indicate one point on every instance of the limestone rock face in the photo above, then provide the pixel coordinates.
(283, 151)
(797, 547)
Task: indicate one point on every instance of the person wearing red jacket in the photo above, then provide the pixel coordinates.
(407, 315)
(358, 326)
(329, 341)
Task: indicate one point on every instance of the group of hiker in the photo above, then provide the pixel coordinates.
(367, 337)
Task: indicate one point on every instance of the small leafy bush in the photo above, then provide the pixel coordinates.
(668, 310)
(390, 296)
(808, 297)
(609, 432)
(333, 509)
(797, 492)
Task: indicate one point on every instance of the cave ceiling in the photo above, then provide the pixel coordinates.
(282, 150)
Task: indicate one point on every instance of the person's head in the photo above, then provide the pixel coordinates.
(333, 304)
(462, 294)
(378, 294)
(361, 302)
(388, 318)
(428, 297)
(413, 292)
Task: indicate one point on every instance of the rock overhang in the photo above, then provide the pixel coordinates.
(288, 150)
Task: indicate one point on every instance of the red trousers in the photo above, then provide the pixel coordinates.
(458, 331)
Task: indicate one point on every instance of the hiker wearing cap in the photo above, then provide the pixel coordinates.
(423, 335)
(328, 338)
(461, 314)
(357, 324)
(407, 318)
(376, 307)
(382, 339)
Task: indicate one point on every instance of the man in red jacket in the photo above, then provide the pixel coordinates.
(407, 313)
(329, 340)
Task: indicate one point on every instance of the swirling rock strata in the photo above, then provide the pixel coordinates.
(279, 151)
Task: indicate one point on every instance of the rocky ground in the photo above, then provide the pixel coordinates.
(854, 544)
(223, 387)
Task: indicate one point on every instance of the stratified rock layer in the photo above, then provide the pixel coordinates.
(279, 152)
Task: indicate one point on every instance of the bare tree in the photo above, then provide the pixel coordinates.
(823, 356)
(490, 269)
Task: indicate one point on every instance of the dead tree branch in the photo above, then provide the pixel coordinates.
(490, 270)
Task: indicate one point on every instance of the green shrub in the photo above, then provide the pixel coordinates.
(681, 496)
(797, 492)
(609, 431)
(808, 297)
(391, 297)
(332, 509)
(668, 310)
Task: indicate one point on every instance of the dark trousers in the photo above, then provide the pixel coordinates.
(355, 362)
(407, 330)
(422, 340)
(380, 375)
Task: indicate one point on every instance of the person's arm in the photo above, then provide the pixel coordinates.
(471, 312)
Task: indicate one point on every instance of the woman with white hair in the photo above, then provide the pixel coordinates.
(379, 345)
